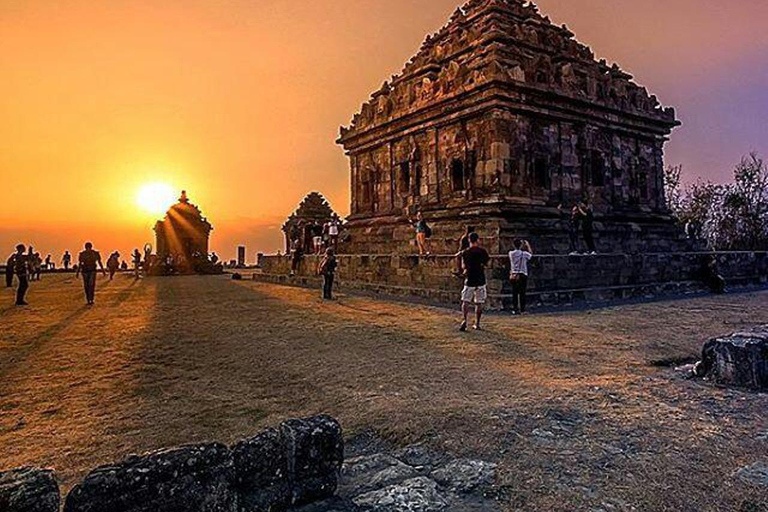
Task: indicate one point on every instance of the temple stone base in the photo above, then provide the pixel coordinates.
(555, 279)
(499, 226)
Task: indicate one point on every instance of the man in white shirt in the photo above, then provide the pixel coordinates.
(518, 274)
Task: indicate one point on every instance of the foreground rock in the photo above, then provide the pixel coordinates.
(29, 490)
(297, 463)
(756, 474)
(190, 479)
(740, 359)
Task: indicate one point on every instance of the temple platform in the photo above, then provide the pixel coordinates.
(555, 280)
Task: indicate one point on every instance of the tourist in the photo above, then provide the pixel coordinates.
(423, 233)
(113, 264)
(87, 266)
(9, 269)
(48, 264)
(37, 266)
(475, 291)
(66, 260)
(333, 233)
(136, 263)
(587, 226)
(317, 238)
(21, 267)
(463, 246)
(296, 254)
(327, 269)
(124, 266)
(712, 277)
(518, 274)
(572, 221)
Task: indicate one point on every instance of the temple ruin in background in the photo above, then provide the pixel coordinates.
(313, 212)
(499, 118)
(183, 237)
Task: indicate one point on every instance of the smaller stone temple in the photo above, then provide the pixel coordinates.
(182, 236)
(308, 220)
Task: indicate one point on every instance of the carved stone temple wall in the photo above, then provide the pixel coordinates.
(499, 118)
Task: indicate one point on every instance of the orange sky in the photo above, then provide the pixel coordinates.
(239, 101)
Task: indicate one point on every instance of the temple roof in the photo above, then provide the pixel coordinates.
(508, 42)
(186, 213)
(314, 207)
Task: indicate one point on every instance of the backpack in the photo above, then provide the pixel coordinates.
(427, 231)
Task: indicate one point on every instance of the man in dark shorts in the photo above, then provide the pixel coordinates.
(587, 226)
(21, 267)
(474, 260)
(87, 265)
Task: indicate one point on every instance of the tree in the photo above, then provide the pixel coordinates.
(729, 217)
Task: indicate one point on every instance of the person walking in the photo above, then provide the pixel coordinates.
(21, 267)
(87, 264)
(587, 225)
(9, 269)
(113, 264)
(463, 246)
(136, 263)
(327, 269)
(518, 274)
(66, 260)
(475, 291)
(423, 233)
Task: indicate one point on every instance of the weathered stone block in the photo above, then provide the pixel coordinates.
(316, 452)
(262, 479)
(29, 490)
(740, 359)
(194, 478)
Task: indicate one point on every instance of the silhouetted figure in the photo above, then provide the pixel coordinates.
(37, 265)
(21, 268)
(327, 269)
(572, 221)
(124, 266)
(588, 226)
(136, 263)
(88, 262)
(333, 233)
(66, 260)
(296, 254)
(113, 264)
(214, 258)
(9, 271)
(712, 277)
(48, 264)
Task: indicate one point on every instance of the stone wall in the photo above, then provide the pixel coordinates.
(297, 463)
(554, 279)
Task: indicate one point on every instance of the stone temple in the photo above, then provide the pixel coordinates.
(501, 117)
(183, 235)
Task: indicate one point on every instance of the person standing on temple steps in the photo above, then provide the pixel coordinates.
(475, 291)
(572, 221)
(87, 265)
(327, 269)
(587, 225)
(518, 274)
(423, 234)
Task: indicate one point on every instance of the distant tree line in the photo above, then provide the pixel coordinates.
(730, 217)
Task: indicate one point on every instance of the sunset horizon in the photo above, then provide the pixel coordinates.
(99, 101)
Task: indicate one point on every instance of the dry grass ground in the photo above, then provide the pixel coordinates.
(569, 403)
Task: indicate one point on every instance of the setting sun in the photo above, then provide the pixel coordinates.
(156, 198)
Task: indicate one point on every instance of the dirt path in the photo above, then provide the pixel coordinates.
(568, 403)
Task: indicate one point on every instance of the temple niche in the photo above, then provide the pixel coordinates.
(182, 240)
(499, 118)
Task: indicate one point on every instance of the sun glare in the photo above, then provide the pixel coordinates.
(156, 198)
